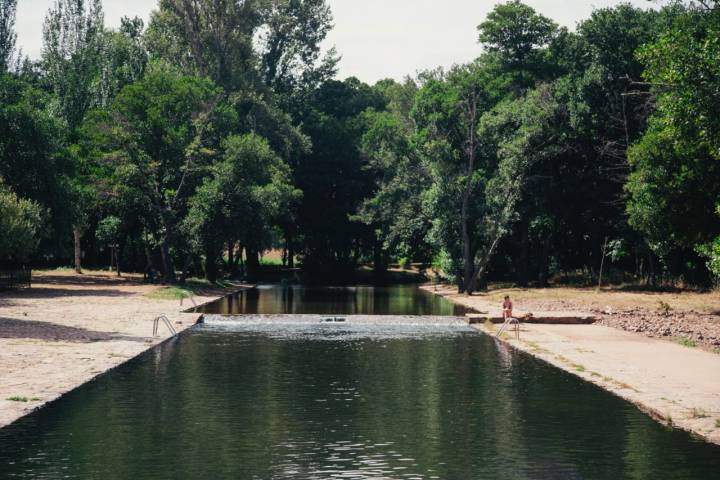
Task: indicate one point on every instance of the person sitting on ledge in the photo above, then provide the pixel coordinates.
(507, 308)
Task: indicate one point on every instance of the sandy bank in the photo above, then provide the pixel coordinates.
(69, 329)
(675, 384)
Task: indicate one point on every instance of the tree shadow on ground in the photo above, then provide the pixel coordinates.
(84, 280)
(43, 292)
(30, 329)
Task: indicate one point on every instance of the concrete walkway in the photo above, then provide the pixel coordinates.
(69, 329)
(676, 385)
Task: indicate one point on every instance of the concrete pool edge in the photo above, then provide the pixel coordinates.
(675, 385)
(660, 408)
(55, 368)
(670, 413)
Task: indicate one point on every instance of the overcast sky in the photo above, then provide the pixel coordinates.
(376, 38)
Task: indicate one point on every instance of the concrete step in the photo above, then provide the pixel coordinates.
(547, 318)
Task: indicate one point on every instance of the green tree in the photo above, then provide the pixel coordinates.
(448, 111)
(290, 49)
(20, 223)
(159, 136)
(395, 211)
(71, 57)
(7, 33)
(675, 182)
(333, 178)
(32, 158)
(517, 34)
(212, 38)
(241, 200)
(124, 58)
(108, 233)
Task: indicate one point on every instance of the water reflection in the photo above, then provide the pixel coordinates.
(262, 404)
(397, 300)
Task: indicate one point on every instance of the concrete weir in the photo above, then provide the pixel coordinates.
(319, 319)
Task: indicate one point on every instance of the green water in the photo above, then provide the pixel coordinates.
(396, 300)
(253, 401)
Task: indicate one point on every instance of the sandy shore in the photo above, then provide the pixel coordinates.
(69, 329)
(677, 385)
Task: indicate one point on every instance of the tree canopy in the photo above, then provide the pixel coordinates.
(219, 131)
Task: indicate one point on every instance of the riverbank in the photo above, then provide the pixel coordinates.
(676, 384)
(68, 329)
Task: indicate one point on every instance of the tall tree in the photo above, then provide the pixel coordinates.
(124, 58)
(32, 157)
(8, 9)
(517, 34)
(448, 111)
(290, 48)
(675, 183)
(212, 38)
(71, 57)
(333, 178)
(396, 210)
(158, 137)
(240, 201)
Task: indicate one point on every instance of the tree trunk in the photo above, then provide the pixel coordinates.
(380, 263)
(469, 261)
(524, 260)
(231, 259)
(186, 269)
(241, 262)
(291, 254)
(468, 252)
(78, 251)
(253, 263)
(211, 271)
(168, 269)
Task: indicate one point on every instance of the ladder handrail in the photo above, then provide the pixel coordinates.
(510, 321)
(166, 320)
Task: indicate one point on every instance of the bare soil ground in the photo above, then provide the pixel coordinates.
(68, 329)
(685, 317)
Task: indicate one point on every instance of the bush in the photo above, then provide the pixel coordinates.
(20, 223)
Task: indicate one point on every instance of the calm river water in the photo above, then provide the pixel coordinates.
(398, 400)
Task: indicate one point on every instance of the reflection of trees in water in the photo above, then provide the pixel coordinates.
(242, 406)
(395, 300)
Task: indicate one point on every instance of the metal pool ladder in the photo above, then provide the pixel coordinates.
(156, 325)
(506, 325)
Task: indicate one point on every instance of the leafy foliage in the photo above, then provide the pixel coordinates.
(21, 223)
(7, 33)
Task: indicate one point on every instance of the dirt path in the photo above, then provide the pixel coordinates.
(675, 384)
(67, 330)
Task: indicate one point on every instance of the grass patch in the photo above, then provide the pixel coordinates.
(685, 342)
(188, 289)
(17, 399)
(271, 262)
(717, 423)
(698, 413)
(170, 293)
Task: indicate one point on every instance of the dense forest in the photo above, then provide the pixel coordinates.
(195, 143)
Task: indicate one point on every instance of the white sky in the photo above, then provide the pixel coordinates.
(376, 38)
